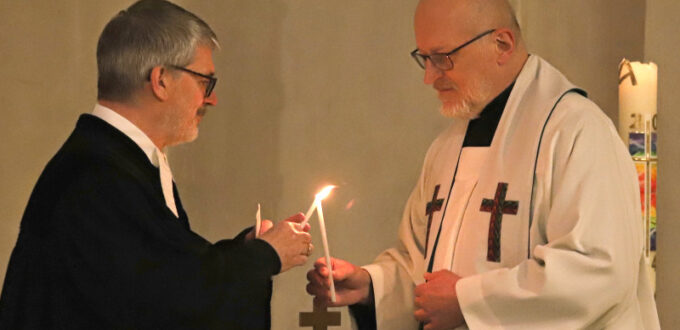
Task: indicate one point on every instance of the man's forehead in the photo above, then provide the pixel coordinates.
(441, 25)
(434, 37)
(203, 59)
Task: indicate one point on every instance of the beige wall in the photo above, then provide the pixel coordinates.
(48, 78)
(587, 39)
(309, 93)
(662, 45)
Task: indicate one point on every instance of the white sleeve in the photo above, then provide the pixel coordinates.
(584, 270)
(396, 271)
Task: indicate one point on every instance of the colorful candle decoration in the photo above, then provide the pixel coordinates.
(637, 128)
(637, 96)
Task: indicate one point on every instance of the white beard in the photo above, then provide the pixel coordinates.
(469, 106)
(461, 110)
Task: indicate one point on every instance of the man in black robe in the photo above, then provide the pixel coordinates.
(104, 241)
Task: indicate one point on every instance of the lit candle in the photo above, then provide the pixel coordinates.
(637, 96)
(317, 202)
(322, 227)
(309, 212)
(324, 239)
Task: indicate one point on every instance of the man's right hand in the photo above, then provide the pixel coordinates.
(352, 283)
(291, 242)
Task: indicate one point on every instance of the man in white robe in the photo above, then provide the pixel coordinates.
(526, 214)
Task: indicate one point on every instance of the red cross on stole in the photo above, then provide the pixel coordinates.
(433, 206)
(497, 206)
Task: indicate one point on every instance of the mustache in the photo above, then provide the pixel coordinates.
(443, 84)
(201, 111)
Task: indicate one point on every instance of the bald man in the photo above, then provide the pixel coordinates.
(527, 211)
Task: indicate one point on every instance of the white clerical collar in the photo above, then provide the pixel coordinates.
(128, 128)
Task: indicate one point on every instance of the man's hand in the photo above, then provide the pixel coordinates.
(264, 227)
(352, 283)
(267, 224)
(437, 301)
(290, 240)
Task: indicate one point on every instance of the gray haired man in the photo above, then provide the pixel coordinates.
(104, 240)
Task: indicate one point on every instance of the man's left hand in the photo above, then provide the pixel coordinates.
(264, 227)
(437, 301)
(268, 224)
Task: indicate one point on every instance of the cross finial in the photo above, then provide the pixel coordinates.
(320, 318)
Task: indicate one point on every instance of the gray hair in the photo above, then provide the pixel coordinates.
(149, 33)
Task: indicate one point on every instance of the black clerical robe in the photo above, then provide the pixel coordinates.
(99, 249)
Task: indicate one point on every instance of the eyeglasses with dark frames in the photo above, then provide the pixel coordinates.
(442, 61)
(212, 81)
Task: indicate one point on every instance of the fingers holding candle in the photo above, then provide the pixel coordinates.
(322, 228)
(324, 240)
(265, 225)
(298, 221)
(351, 282)
(319, 282)
(289, 242)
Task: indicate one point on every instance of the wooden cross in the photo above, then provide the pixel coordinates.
(433, 206)
(320, 319)
(497, 206)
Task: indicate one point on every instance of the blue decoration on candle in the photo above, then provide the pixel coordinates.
(636, 144)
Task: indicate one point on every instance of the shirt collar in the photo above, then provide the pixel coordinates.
(497, 105)
(130, 130)
(481, 130)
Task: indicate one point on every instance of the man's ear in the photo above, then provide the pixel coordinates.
(159, 79)
(505, 44)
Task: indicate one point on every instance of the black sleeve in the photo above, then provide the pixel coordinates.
(364, 315)
(119, 257)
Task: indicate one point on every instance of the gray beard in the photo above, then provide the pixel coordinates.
(461, 110)
(467, 108)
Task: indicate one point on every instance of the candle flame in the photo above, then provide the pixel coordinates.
(324, 192)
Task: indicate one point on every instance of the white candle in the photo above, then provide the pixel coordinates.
(317, 202)
(258, 221)
(637, 102)
(309, 213)
(324, 239)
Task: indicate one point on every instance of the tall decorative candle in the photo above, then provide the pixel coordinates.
(637, 128)
(637, 96)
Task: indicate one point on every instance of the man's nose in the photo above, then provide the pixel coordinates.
(211, 99)
(431, 73)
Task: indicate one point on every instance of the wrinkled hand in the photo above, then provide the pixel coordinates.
(267, 224)
(437, 301)
(290, 240)
(264, 227)
(352, 283)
